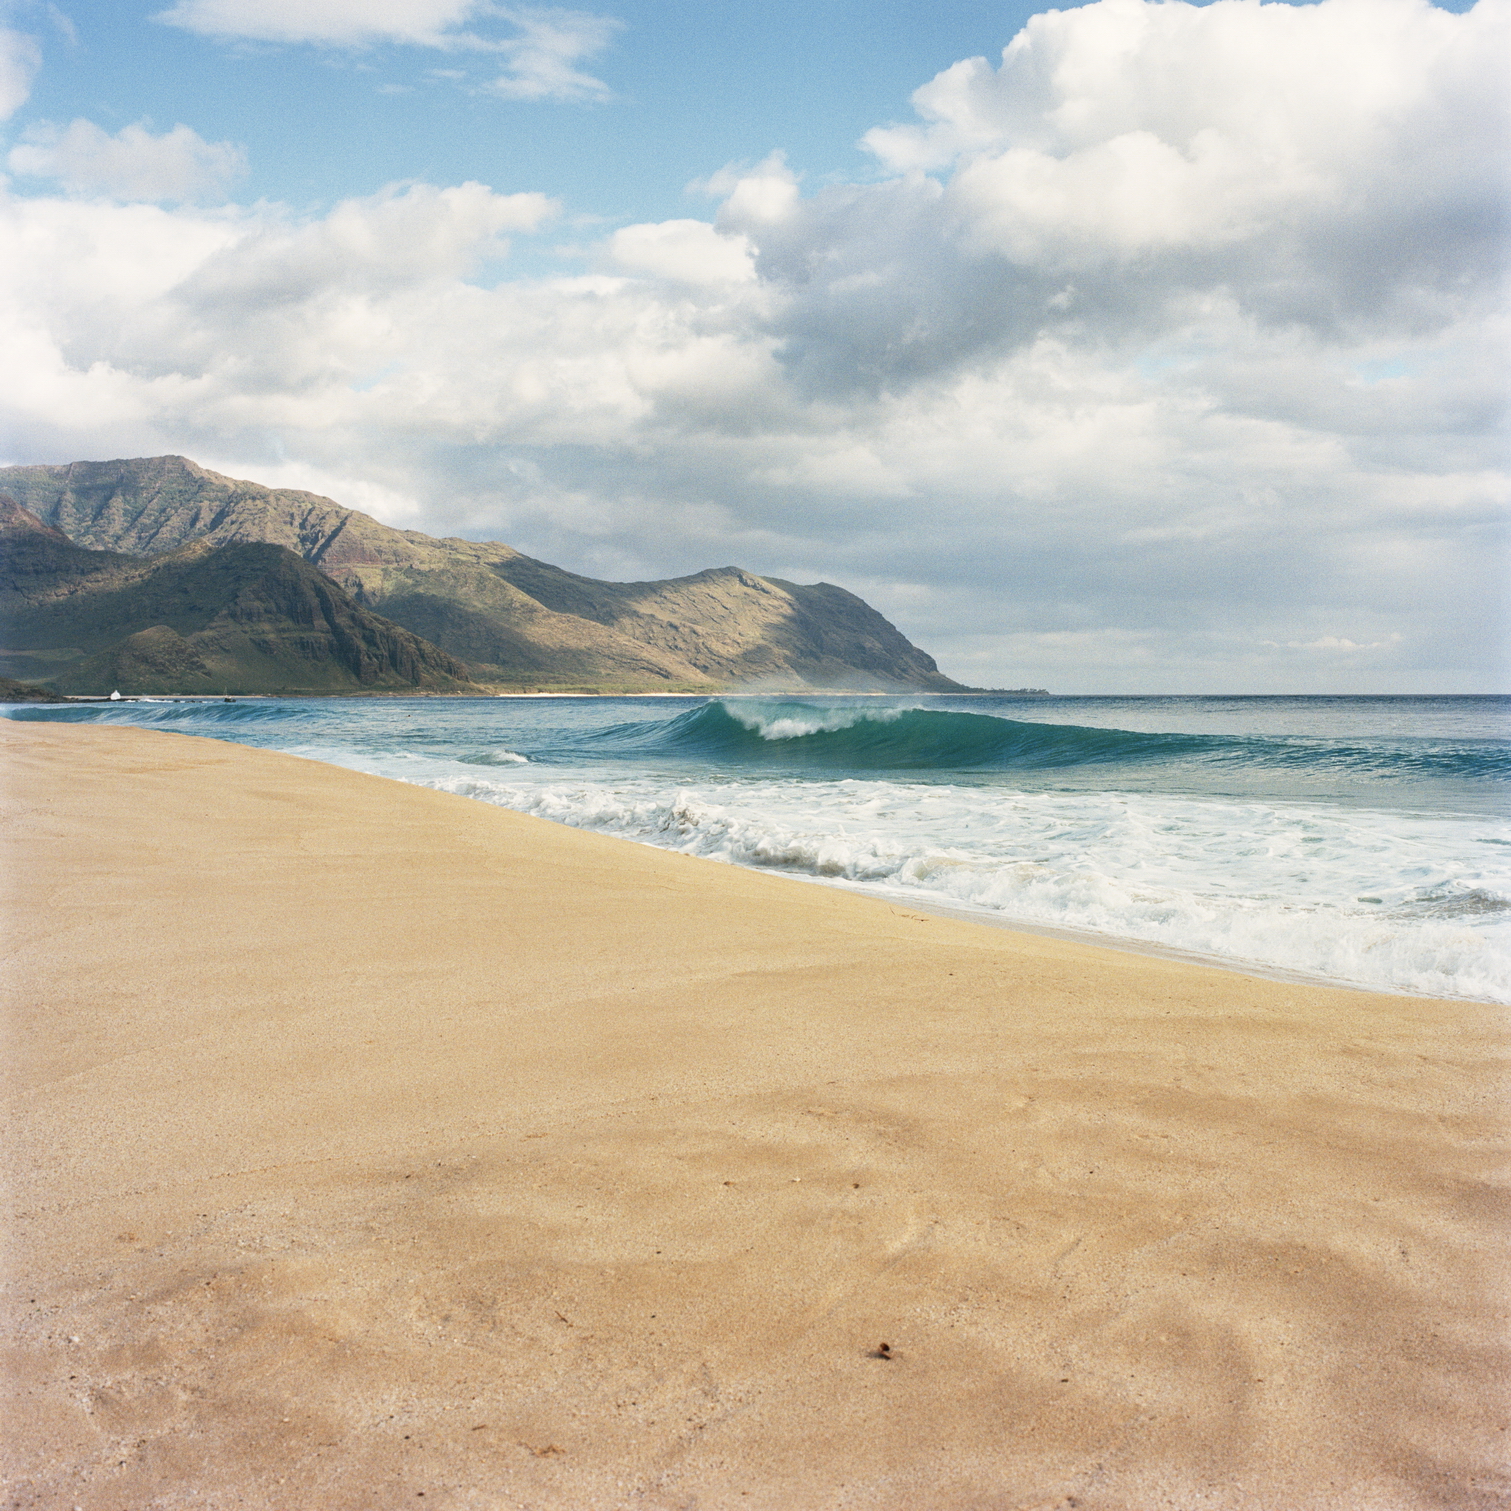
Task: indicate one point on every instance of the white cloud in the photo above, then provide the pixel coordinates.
(765, 195)
(133, 164)
(1081, 404)
(355, 491)
(20, 58)
(406, 233)
(1335, 166)
(541, 50)
(550, 42)
(683, 251)
(1335, 643)
(340, 23)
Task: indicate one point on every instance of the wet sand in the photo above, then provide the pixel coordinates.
(370, 1147)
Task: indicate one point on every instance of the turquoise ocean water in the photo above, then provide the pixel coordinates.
(1361, 840)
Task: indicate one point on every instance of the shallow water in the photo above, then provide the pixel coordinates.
(1364, 840)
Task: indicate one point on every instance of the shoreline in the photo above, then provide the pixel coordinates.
(942, 905)
(1258, 970)
(367, 1141)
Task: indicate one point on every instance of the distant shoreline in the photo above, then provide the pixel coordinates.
(810, 692)
(805, 692)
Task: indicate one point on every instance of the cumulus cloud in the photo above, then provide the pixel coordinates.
(1168, 355)
(683, 251)
(133, 164)
(1339, 167)
(20, 58)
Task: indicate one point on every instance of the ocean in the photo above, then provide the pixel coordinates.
(1360, 840)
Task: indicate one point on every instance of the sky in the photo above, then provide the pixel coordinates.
(1129, 348)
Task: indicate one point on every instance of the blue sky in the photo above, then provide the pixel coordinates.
(694, 84)
(1162, 351)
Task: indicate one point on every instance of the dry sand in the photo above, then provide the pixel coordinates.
(371, 1147)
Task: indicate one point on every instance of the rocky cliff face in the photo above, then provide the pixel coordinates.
(244, 617)
(513, 620)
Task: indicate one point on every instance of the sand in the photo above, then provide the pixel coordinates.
(370, 1147)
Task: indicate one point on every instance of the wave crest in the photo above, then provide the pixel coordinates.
(894, 738)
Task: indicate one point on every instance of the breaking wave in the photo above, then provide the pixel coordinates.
(925, 739)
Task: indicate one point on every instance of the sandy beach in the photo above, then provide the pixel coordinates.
(371, 1147)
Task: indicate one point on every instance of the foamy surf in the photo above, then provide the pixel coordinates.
(1362, 841)
(1391, 902)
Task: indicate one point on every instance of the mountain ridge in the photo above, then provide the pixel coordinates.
(246, 616)
(514, 621)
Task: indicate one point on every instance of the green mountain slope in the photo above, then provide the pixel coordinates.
(246, 617)
(513, 620)
(12, 691)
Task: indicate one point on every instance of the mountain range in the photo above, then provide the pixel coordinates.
(248, 617)
(474, 612)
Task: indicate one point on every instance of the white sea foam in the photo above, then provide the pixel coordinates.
(1412, 903)
(1361, 840)
(784, 722)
